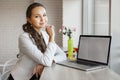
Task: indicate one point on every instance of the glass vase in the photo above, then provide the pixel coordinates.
(70, 47)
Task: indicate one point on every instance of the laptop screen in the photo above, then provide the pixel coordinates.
(94, 48)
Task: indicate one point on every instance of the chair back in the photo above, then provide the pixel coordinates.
(7, 67)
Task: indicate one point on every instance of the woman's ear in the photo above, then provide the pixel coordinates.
(28, 19)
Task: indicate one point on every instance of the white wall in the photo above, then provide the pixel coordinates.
(72, 18)
(115, 26)
(12, 17)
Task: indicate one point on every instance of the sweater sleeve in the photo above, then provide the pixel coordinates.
(27, 47)
(59, 55)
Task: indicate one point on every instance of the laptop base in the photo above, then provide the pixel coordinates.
(75, 65)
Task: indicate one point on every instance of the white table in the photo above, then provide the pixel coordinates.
(58, 72)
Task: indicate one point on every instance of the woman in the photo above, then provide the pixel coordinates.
(36, 45)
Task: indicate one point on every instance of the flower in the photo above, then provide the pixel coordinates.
(67, 31)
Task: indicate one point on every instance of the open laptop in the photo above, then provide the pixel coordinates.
(93, 53)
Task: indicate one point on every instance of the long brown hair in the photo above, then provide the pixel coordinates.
(27, 27)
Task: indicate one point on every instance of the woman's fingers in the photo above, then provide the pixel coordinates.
(38, 69)
(50, 31)
(34, 70)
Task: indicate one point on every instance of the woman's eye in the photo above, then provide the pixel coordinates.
(36, 16)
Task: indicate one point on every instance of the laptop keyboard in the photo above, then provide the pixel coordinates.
(87, 63)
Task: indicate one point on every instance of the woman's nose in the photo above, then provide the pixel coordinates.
(42, 18)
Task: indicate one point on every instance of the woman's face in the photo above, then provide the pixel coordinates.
(38, 18)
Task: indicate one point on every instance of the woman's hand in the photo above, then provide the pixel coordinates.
(38, 69)
(50, 31)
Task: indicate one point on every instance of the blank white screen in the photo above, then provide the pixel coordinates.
(94, 49)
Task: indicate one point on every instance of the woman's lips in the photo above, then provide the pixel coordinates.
(42, 23)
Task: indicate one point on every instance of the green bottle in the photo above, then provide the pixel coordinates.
(70, 47)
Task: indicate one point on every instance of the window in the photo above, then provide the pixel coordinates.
(96, 17)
